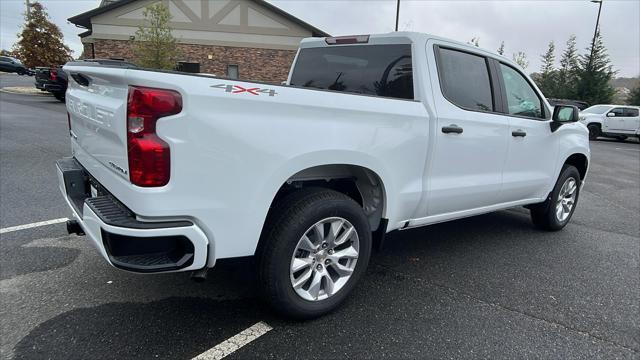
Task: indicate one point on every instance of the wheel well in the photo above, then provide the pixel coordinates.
(359, 183)
(580, 162)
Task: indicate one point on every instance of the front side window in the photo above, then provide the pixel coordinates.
(382, 70)
(465, 80)
(522, 99)
(618, 111)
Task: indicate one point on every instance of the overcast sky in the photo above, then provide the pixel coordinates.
(523, 25)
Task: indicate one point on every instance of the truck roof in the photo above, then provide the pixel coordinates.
(402, 37)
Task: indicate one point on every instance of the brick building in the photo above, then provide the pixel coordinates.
(245, 39)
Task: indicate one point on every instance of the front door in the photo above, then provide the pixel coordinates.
(532, 153)
(614, 121)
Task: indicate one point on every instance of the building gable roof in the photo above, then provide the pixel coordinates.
(84, 19)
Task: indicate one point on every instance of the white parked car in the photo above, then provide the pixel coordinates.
(618, 121)
(173, 171)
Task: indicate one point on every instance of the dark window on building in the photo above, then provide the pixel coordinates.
(465, 79)
(232, 72)
(522, 99)
(631, 112)
(382, 70)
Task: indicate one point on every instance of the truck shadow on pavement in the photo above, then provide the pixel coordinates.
(172, 328)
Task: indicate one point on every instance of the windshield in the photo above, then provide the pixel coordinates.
(597, 109)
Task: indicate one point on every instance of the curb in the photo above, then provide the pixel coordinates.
(44, 93)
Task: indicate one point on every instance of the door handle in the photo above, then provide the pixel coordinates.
(453, 128)
(519, 133)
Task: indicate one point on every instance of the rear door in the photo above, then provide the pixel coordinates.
(532, 151)
(468, 154)
(631, 120)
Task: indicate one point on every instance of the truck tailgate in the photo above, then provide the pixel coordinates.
(97, 112)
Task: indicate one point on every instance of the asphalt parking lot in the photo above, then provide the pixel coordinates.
(485, 287)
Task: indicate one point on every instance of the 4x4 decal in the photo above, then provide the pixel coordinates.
(235, 89)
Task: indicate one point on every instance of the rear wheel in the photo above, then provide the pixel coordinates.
(594, 131)
(316, 246)
(59, 96)
(555, 213)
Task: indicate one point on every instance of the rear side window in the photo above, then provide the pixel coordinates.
(631, 112)
(382, 70)
(465, 79)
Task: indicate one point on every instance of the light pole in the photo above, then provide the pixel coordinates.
(595, 32)
(397, 13)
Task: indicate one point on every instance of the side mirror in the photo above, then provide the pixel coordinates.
(563, 114)
(611, 114)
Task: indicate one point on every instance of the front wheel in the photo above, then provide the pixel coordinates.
(315, 247)
(594, 131)
(556, 211)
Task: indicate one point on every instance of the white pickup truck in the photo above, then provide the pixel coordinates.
(618, 121)
(171, 171)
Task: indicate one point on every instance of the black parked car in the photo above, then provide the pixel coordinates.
(10, 64)
(54, 80)
(577, 103)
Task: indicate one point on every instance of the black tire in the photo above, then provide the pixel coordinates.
(20, 72)
(287, 223)
(59, 96)
(544, 215)
(594, 131)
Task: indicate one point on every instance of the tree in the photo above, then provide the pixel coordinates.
(567, 79)
(547, 78)
(520, 58)
(154, 45)
(475, 41)
(40, 43)
(4, 52)
(595, 74)
(501, 49)
(634, 97)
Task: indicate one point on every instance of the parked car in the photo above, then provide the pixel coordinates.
(55, 80)
(617, 121)
(174, 171)
(12, 65)
(577, 103)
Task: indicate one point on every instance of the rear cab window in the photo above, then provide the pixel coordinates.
(380, 70)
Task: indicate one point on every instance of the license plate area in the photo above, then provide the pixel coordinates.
(78, 184)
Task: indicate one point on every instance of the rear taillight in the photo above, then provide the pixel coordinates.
(149, 156)
(53, 74)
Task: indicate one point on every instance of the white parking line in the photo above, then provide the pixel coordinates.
(32, 225)
(627, 149)
(234, 343)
